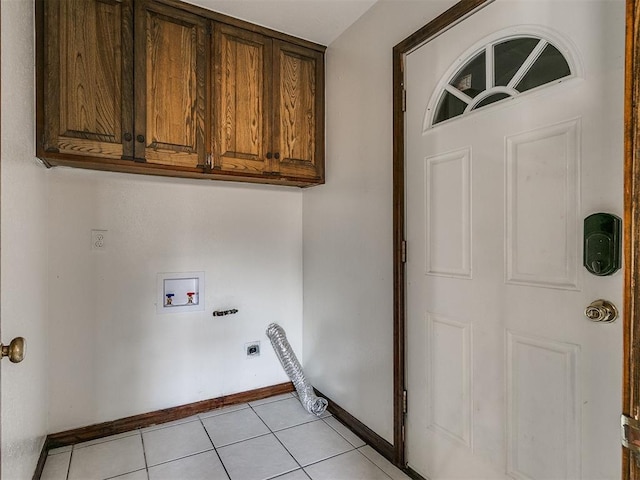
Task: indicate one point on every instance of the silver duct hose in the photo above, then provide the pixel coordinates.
(309, 400)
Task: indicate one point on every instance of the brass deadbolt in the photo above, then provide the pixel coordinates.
(15, 350)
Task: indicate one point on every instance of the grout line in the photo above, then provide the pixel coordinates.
(244, 440)
(70, 459)
(267, 402)
(347, 440)
(313, 463)
(174, 423)
(297, 425)
(180, 458)
(144, 452)
(128, 473)
(374, 463)
(335, 456)
(215, 449)
(280, 442)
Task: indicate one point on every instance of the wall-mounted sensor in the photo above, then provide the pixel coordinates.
(180, 292)
(602, 240)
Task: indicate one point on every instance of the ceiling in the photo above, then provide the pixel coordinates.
(321, 21)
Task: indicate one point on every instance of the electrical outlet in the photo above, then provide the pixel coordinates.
(252, 349)
(98, 239)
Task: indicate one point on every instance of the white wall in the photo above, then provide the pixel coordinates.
(23, 251)
(348, 265)
(111, 354)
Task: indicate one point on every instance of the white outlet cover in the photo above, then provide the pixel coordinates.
(99, 240)
(180, 292)
(255, 343)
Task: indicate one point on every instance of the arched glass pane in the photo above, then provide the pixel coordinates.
(472, 78)
(449, 106)
(549, 66)
(509, 57)
(496, 97)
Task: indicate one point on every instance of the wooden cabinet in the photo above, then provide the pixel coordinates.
(241, 127)
(170, 73)
(165, 88)
(93, 108)
(269, 106)
(85, 105)
(298, 128)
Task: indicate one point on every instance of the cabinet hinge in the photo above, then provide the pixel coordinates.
(403, 434)
(630, 433)
(404, 100)
(403, 251)
(404, 402)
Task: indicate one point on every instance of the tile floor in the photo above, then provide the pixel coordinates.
(271, 438)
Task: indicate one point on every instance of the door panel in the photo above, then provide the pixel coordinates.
(506, 377)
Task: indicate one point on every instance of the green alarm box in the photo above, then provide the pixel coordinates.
(602, 244)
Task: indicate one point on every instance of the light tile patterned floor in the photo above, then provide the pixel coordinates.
(271, 438)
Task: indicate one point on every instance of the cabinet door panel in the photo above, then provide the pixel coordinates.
(87, 84)
(299, 104)
(170, 88)
(241, 126)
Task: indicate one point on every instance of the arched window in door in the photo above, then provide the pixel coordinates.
(500, 70)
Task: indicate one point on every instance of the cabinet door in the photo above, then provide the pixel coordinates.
(88, 87)
(241, 129)
(298, 111)
(170, 86)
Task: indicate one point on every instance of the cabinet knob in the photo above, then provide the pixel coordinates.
(269, 155)
(127, 137)
(140, 138)
(277, 156)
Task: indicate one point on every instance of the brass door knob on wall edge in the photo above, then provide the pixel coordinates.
(15, 350)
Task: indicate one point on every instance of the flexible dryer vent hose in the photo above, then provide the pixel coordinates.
(308, 398)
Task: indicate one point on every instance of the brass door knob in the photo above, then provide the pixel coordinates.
(601, 311)
(15, 350)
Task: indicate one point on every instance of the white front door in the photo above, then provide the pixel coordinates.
(506, 377)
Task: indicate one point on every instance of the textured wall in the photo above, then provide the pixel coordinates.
(121, 357)
(348, 264)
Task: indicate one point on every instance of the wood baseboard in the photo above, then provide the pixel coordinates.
(105, 429)
(382, 446)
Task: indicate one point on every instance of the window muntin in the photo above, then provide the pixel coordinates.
(502, 69)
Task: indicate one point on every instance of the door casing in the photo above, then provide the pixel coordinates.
(631, 306)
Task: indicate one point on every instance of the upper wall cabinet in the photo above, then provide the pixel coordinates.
(165, 88)
(269, 106)
(299, 103)
(87, 76)
(170, 86)
(241, 129)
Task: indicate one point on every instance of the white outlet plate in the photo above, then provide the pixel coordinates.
(98, 240)
(252, 349)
